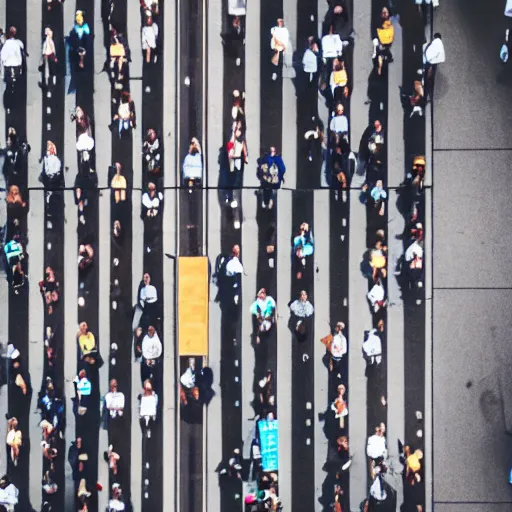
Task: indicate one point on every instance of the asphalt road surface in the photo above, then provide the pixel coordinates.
(471, 394)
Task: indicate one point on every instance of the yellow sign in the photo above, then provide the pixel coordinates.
(193, 298)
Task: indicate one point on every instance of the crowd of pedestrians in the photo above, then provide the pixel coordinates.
(325, 69)
(52, 402)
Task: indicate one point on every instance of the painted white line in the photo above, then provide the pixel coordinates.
(249, 283)
(359, 320)
(35, 232)
(322, 328)
(169, 363)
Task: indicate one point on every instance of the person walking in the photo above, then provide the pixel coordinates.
(281, 46)
(433, 54)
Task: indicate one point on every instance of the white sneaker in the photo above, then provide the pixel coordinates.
(234, 203)
(237, 224)
(113, 361)
(274, 76)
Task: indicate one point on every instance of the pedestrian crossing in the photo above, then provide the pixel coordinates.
(178, 467)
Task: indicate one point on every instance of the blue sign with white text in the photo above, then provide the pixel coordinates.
(269, 444)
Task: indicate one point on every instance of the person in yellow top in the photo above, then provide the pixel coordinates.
(118, 184)
(86, 340)
(383, 39)
(339, 81)
(413, 464)
(14, 439)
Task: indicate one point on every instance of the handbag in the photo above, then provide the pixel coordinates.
(117, 50)
(327, 341)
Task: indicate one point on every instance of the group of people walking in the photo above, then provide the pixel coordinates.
(326, 71)
(51, 400)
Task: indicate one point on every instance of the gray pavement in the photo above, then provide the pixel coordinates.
(471, 357)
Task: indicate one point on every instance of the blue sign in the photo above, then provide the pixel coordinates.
(269, 444)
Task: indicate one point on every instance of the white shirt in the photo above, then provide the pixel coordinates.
(281, 34)
(188, 379)
(413, 249)
(11, 53)
(48, 46)
(84, 142)
(434, 52)
(373, 345)
(9, 495)
(193, 166)
(148, 405)
(151, 203)
(377, 490)
(310, 62)
(149, 36)
(331, 46)
(237, 7)
(508, 8)
(376, 447)
(233, 267)
(376, 294)
(339, 124)
(151, 347)
(114, 400)
(339, 345)
(148, 294)
(52, 165)
(116, 505)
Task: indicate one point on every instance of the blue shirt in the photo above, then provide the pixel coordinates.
(82, 30)
(378, 193)
(83, 386)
